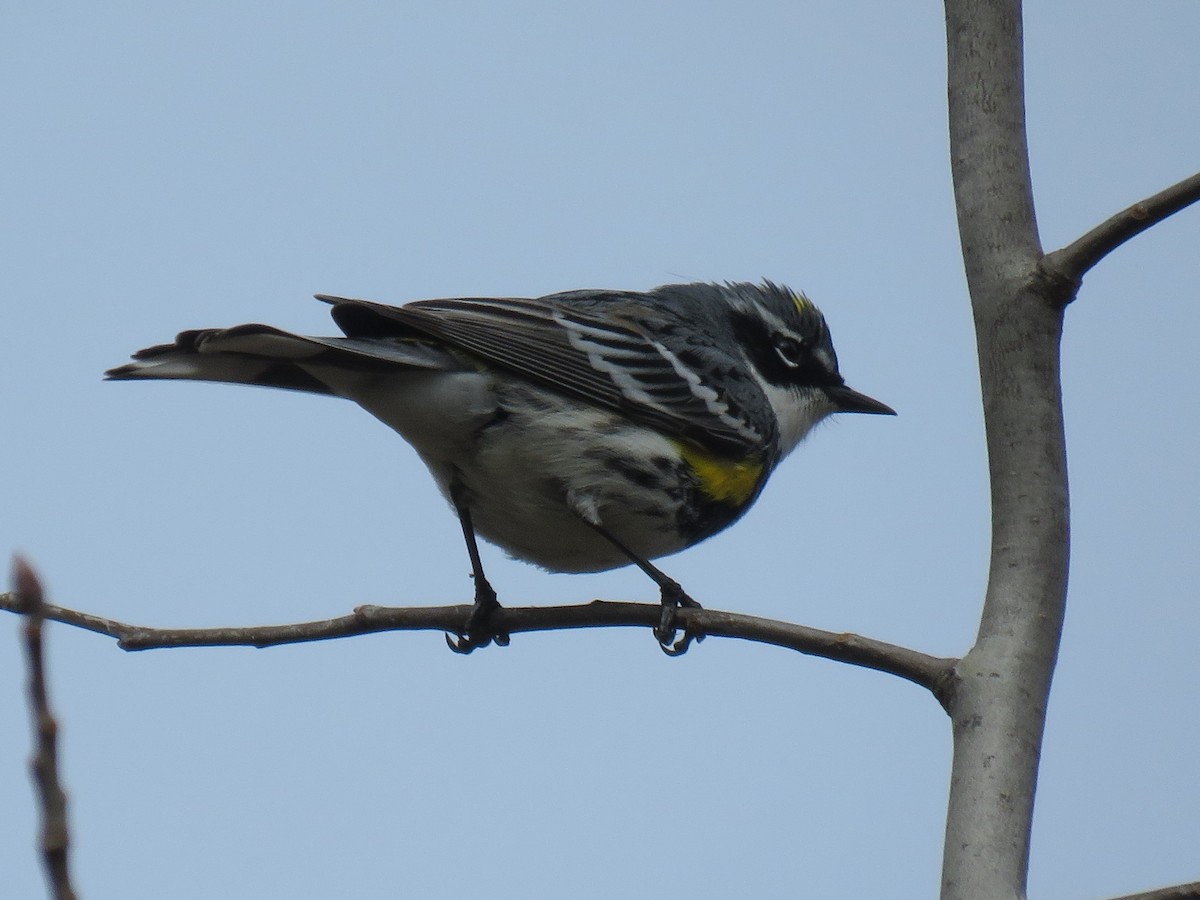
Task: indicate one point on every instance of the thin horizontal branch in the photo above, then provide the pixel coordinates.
(1178, 892)
(54, 840)
(930, 672)
(1072, 262)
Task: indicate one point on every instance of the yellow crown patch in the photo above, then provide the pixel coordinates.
(803, 304)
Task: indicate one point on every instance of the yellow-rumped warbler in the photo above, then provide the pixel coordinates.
(579, 431)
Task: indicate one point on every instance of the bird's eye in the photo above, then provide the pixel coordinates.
(790, 350)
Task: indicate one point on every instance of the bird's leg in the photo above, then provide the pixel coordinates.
(673, 596)
(476, 632)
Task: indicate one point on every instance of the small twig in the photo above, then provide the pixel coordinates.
(1178, 892)
(29, 600)
(1072, 262)
(928, 671)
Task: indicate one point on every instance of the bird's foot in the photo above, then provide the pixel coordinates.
(674, 597)
(478, 631)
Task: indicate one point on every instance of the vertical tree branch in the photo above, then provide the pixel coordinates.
(999, 700)
(55, 837)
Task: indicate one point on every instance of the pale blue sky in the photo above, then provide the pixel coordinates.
(170, 167)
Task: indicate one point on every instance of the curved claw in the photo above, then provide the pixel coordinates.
(464, 643)
(671, 647)
(665, 631)
(477, 633)
(680, 647)
(467, 643)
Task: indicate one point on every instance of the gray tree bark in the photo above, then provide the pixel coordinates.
(998, 692)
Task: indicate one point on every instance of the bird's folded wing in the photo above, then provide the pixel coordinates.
(602, 357)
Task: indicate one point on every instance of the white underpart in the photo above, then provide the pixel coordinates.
(539, 474)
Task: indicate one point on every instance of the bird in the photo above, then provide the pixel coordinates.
(579, 431)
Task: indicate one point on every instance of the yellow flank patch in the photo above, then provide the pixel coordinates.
(722, 479)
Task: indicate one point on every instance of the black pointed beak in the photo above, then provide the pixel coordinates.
(849, 400)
